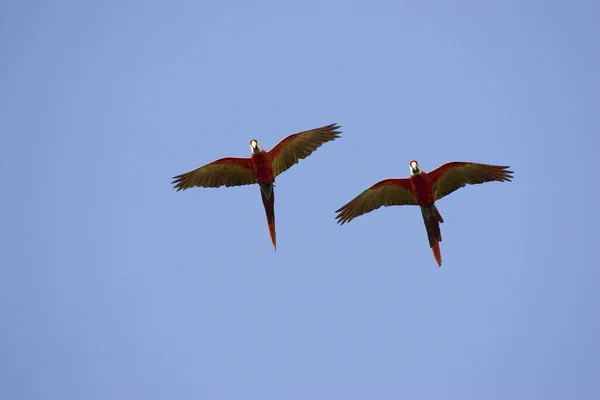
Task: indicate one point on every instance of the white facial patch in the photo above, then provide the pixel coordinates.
(255, 146)
(414, 168)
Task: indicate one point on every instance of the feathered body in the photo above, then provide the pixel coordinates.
(423, 189)
(262, 167)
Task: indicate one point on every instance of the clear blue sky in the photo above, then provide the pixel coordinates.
(114, 286)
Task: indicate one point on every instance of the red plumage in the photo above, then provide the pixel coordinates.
(261, 167)
(423, 189)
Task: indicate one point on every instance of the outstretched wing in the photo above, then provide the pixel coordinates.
(389, 192)
(300, 145)
(228, 171)
(454, 175)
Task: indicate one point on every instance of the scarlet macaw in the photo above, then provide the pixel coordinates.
(261, 167)
(423, 189)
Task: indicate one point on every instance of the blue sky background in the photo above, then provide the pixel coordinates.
(114, 286)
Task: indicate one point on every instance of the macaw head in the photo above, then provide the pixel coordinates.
(255, 146)
(414, 168)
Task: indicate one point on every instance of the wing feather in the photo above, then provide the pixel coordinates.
(228, 171)
(454, 175)
(388, 192)
(300, 145)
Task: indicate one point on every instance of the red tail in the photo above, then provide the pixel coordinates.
(436, 252)
(432, 220)
(269, 204)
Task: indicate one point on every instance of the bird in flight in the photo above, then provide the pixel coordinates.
(262, 167)
(423, 189)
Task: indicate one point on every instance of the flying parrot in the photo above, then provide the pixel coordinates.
(423, 189)
(261, 167)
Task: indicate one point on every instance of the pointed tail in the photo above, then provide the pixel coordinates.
(432, 220)
(436, 252)
(269, 203)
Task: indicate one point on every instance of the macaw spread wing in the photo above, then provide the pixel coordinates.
(300, 145)
(228, 171)
(389, 192)
(454, 175)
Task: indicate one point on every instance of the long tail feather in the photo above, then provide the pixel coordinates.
(432, 220)
(269, 203)
(436, 253)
